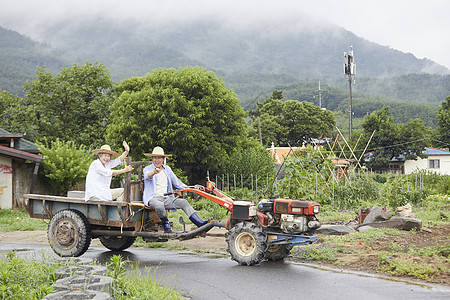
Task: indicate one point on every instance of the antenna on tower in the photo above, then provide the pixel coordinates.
(350, 70)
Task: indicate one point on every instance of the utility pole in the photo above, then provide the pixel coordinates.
(320, 96)
(350, 109)
(349, 69)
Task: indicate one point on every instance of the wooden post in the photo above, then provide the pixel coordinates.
(127, 186)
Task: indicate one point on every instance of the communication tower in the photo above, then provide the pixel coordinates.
(350, 70)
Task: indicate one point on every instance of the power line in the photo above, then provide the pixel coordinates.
(401, 144)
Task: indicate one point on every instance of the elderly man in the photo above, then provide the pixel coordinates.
(98, 179)
(159, 179)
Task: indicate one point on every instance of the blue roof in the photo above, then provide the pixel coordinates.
(434, 151)
(428, 151)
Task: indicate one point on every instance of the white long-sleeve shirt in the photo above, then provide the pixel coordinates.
(98, 179)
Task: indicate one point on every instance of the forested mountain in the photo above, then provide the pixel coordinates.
(301, 48)
(19, 57)
(337, 100)
(253, 60)
(429, 88)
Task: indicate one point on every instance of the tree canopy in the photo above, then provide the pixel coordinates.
(71, 106)
(443, 118)
(402, 141)
(189, 112)
(290, 122)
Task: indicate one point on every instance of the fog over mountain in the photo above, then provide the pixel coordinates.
(303, 47)
(253, 54)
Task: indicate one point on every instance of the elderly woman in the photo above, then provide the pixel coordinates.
(98, 179)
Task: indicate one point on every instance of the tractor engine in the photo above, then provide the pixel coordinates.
(289, 216)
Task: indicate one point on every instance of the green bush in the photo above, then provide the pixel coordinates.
(65, 163)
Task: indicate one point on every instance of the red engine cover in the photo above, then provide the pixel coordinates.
(289, 206)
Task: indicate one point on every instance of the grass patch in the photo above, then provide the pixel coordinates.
(430, 251)
(131, 283)
(141, 243)
(315, 253)
(405, 266)
(23, 279)
(327, 213)
(19, 220)
(386, 250)
(365, 237)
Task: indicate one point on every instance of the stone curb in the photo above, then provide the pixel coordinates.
(81, 270)
(80, 280)
(78, 295)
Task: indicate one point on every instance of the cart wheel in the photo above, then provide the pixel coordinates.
(69, 233)
(117, 243)
(277, 252)
(247, 243)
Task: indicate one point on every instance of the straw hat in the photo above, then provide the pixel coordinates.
(157, 151)
(105, 149)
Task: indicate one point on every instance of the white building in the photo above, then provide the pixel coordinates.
(438, 161)
(19, 164)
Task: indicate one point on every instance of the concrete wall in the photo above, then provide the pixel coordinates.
(6, 182)
(23, 176)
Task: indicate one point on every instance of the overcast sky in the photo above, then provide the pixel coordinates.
(416, 26)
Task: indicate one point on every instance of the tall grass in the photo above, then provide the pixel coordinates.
(24, 279)
(21, 278)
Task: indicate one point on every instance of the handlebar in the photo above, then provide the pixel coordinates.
(197, 187)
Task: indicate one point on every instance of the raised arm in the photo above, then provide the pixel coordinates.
(127, 149)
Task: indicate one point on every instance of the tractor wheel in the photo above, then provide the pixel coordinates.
(117, 243)
(69, 233)
(247, 243)
(277, 252)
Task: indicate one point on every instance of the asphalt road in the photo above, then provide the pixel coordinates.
(209, 276)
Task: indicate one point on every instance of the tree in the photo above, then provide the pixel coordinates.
(402, 141)
(72, 105)
(443, 117)
(189, 112)
(13, 114)
(290, 122)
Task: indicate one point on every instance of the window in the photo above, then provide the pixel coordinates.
(433, 163)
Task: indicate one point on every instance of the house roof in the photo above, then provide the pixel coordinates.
(14, 145)
(428, 151)
(341, 162)
(435, 151)
(19, 142)
(20, 154)
(280, 153)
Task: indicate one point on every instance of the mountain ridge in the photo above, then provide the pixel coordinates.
(297, 54)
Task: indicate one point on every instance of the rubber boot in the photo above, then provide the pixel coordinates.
(166, 224)
(195, 218)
